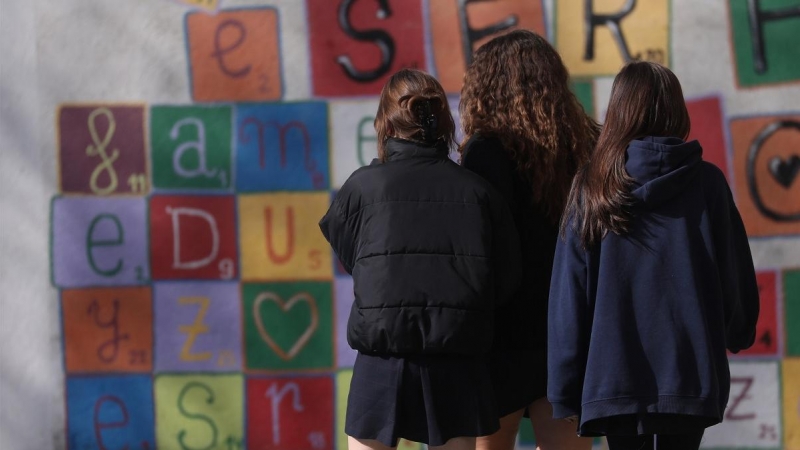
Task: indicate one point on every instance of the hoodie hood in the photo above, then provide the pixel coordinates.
(661, 167)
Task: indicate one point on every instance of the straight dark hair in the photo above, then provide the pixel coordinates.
(646, 100)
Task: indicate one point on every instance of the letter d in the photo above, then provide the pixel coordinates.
(176, 236)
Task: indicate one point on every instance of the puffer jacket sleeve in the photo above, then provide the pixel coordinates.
(339, 232)
(568, 327)
(737, 276)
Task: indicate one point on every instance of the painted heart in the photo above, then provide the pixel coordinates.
(286, 306)
(785, 172)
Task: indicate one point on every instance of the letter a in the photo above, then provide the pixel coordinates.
(199, 146)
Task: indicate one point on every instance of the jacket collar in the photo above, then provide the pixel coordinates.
(398, 149)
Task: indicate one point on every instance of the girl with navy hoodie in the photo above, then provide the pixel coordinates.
(652, 281)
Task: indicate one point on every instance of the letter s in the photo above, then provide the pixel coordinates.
(206, 419)
(379, 37)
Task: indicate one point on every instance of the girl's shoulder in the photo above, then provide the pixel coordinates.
(482, 149)
(714, 180)
(482, 142)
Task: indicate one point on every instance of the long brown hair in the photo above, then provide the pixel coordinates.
(517, 90)
(413, 106)
(646, 100)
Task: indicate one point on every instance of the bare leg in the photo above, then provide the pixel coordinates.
(459, 443)
(365, 444)
(506, 437)
(554, 434)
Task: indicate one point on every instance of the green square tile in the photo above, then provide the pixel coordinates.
(288, 326)
(781, 51)
(791, 296)
(191, 147)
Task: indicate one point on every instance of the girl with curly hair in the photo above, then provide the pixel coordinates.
(527, 134)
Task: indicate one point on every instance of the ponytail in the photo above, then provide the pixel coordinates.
(414, 107)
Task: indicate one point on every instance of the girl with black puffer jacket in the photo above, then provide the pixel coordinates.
(433, 250)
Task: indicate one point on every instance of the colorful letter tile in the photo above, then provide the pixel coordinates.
(198, 326)
(206, 5)
(110, 412)
(775, 62)
(353, 139)
(791, 403)
(290, 413)
(752, 418)
(99, 241)
(235, 55)
(191, 147)
(200, 411)
(282, 146)
(288, 325)
(377, 40)
(707, 127)
(767, 335)
(193, 237)
(101, 149)
(280, 237)
(108, 329)
(765, 163)
(791, 311)
(343, 379)
(343, 297)
(644, 34)
(452, 21)
(584, 90)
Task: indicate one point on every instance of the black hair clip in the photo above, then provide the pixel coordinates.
(427, 120)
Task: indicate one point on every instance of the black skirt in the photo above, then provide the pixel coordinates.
(427, 399)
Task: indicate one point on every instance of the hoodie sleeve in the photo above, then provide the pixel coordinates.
(568, 327)
(339, 233)
(737, 277)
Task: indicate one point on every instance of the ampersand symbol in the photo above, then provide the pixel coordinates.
(99, 149)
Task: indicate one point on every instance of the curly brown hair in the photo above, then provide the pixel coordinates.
(517, 90)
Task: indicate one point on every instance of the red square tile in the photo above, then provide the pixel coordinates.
(193, 237)
(376, 42)
(101, 149)
(290, 413)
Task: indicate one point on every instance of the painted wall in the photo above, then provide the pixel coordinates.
(164, 165)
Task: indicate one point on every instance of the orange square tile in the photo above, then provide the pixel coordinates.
(108, 329)
(234, 55)
(767, 173)
(450, 37)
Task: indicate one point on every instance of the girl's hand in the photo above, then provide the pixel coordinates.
(571, 419)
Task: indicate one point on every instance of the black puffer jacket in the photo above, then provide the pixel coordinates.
(432, 249)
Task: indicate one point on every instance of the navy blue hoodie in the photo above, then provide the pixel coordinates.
(639, 323)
